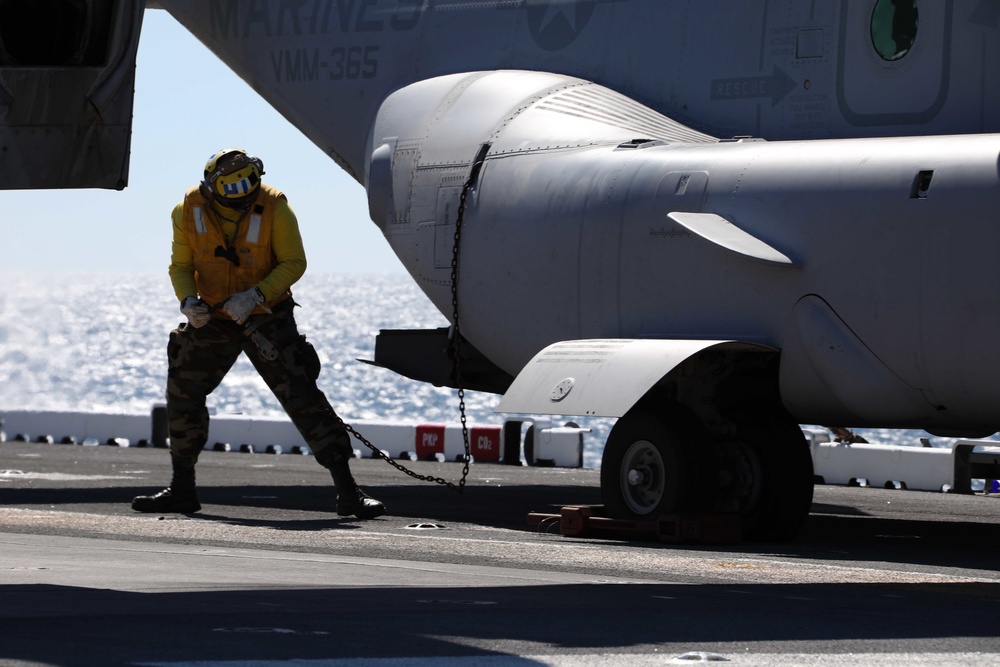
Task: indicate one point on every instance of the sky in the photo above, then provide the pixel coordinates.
(174, 132)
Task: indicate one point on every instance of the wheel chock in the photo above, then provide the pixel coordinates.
(588, 521)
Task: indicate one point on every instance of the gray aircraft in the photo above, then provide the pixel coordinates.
(710, 220)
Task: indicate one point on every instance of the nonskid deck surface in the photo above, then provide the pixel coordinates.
(267, 574)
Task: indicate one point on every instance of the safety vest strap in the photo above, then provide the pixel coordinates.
(253, 232)
(199, 220)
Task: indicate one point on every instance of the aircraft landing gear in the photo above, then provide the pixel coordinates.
(655, 462)
(663, 461)
(766, 474)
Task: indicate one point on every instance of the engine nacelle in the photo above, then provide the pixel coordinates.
(594, 218)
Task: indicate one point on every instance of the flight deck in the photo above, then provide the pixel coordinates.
(267, 574)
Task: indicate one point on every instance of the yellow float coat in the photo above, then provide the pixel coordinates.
(265, 239)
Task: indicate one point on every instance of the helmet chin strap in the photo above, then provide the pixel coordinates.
(242, 207)
(242, 204)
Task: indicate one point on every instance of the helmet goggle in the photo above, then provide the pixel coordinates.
(233, 177)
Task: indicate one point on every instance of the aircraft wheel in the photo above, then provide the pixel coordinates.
(654, 463)
(768, 475)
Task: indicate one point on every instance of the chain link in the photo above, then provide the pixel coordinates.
(456, 332)
(382, 455)
(455, 351)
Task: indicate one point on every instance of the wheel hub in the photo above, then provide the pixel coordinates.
(643, 475)
(637, 477)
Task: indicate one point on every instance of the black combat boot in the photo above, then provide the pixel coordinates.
(180, 497)
(351, 500)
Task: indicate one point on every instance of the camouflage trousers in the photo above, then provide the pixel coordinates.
(198, 360)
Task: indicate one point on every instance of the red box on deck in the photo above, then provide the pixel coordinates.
(430, 441)
(485, 443)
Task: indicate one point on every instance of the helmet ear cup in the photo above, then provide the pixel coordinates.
(206, 191)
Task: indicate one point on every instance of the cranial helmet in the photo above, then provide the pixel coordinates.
(232, 177)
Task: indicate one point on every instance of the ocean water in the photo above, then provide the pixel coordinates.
(97, 342)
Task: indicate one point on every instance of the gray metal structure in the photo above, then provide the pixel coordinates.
(67, 73)
(712, 220)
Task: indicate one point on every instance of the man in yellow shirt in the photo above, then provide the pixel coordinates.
(236, 253)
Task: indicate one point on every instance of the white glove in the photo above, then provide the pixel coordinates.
(240, 306)
(196, 311)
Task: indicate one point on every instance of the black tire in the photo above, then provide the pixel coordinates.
(771, 473)
(656, 462)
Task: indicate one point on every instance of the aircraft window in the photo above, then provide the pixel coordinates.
(894, 27)
(921, 184)
(54, 33)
